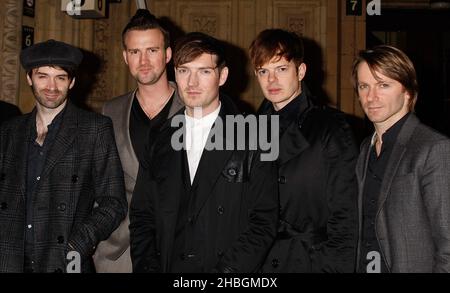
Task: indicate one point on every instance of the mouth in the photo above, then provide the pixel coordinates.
(145, 70)
(52, 96)
(274, 91)
(193, 93)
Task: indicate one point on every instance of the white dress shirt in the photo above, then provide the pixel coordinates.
(197, 131)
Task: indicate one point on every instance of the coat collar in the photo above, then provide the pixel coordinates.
(292, 142)
(210, 166)
(64, 138)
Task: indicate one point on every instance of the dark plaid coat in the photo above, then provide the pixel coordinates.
(80, 198)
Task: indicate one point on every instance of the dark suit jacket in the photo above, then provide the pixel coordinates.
(413, 218)
(80, 198)
(317, 184)
(113, 254)
(232, 213)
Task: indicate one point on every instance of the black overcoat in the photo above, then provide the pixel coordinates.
(231, 216)
(318, 191)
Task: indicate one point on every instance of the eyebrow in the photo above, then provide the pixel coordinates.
(138, 49)
(203, 67)
(282, 65)
(46, 74)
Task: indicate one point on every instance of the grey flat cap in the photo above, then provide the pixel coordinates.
(50, 52)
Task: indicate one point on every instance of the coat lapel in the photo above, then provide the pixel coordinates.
(208, 172)
(292, 143)
(64, 138)
(209, 168)
(123, 139)
(395, 159)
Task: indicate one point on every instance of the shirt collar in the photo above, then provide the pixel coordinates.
(391, 134)
(205, 120)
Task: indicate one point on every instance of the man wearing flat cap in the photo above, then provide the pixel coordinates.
(61, 181)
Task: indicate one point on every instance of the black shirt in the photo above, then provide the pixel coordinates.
(142, 128)
(35, 165)
(374, 178)
(289, 113)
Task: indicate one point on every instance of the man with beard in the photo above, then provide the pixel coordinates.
(61, 181)
(137, 117)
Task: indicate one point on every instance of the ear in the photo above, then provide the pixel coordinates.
(124, 53)
(301, 72)
(30, 82)
(72, 83)
(168, 54)
(223, 76)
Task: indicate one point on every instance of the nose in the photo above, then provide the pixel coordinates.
(271, 76)
(192, 79)
(51, 85)
(143, 59)
(371, 94)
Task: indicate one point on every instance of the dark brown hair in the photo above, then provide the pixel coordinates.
(71, 71)
(192, 45)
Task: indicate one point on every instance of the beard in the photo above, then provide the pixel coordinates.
(50, 103)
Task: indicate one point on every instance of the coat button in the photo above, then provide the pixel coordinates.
(58, 270)
(190, 220)
(220, 253)
(60, 239)
(282, 180)
(232, 172)
(220, 210)
(62, 207)
(74, 178)
(3, 205)
(275, 262)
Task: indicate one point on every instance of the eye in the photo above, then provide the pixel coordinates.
(181, 70)
(133, 52)
(62, 78)
(206, 71)
(153, 50)
(362, 86)
(384, 85)
(261, 72)
(281, 69)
